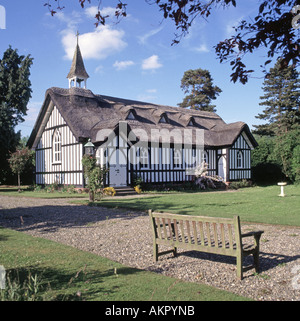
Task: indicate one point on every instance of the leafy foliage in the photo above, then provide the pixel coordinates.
(94, 175)
(199, 84)
(284, 152)
(15, 93)
(19, 160)
(277, 158)
(295, 166)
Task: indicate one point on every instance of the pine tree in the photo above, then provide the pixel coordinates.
(199, 84)
(282, 100)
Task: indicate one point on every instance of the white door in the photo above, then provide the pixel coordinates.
(117, 171)
(222, 167)
(117, 175)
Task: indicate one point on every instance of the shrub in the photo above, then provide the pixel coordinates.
(138, 189)
(240, 184)
(296, 164)
(94, 176)
(110, 191)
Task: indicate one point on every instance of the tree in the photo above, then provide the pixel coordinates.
(18, 162)
(287, 152)
(266, 167)
(199, 84)
(282, 100)
(94, 176)
(296, 164)
(273, 28)
(15, 93)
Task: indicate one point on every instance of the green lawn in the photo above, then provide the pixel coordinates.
(255, 204)
(66, 273)
(26, 192)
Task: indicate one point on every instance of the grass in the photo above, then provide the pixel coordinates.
(26, 192)
(65, 273)
(255, 204)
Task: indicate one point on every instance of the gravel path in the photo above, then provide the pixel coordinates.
(125, 236)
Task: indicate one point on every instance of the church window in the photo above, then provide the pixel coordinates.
(205, 157)
(239, 159)
(56, 147)
(177, 159)
(144, 158)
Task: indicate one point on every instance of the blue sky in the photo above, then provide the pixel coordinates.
(133, 59)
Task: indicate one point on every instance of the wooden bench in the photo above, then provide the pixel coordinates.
(205, 234)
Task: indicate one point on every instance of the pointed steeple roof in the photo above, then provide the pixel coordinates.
(77, 67)
(77, 73)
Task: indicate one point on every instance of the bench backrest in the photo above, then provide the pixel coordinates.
(209, 234)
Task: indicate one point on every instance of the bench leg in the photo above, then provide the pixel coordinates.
(239, 267)
(155, 252)
(175, 251)
(256, 253)
(256, 261)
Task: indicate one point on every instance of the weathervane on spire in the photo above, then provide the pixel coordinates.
(77, 35)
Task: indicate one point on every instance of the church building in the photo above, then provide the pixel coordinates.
(133, 139)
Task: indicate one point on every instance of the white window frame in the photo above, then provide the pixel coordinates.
(239, 159)
(204, 157)
(144, 158)
(177, 158)
(56, 147)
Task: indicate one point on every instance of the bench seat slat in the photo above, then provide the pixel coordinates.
(195, 247)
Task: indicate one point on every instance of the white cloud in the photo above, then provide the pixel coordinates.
(99, 44)
(99, 69)
(91, 11)
(202, 48)
(121, 65)
(70, 20)
(151, 63)
(145, 97)
(33, 110)
(231, 24)
(144, 38)
(106, 11)
(151, 91)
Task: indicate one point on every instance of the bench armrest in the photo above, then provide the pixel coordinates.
(253, 233)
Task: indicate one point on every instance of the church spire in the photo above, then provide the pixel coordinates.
(77, 72)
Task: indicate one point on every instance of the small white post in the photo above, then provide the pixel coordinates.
(281, 188)
(2, 277)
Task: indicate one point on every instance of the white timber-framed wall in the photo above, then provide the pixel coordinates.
(58, 154)
(153, 163)
(240, 158)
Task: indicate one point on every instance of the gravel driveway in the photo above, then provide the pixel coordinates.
(125, 236)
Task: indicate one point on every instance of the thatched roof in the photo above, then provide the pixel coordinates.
(87, 113)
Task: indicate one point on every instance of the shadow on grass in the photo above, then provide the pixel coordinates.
(59, 285)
